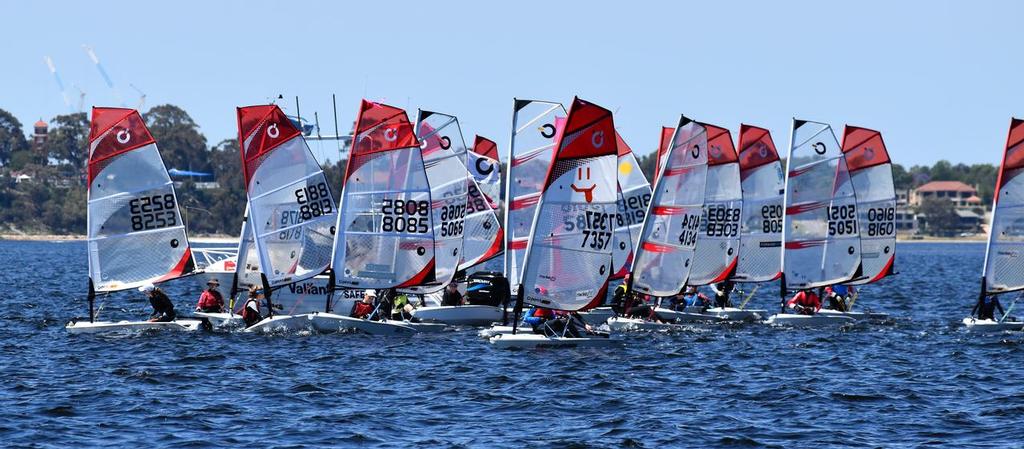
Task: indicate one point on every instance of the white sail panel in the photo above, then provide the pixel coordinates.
(530, 154)
(483, 238)
(632, 200)
(385, 236)
(820, 233)
(135, 232)
(568, 259)
(871, 173)
(664, 254)
(763, 184)
(1003, 268)
(443, 151)
(291, 208)
(482, 162)
(718, 238)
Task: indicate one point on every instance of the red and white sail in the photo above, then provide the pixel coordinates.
(763, 184)
(385, 230)
(871, 172)
(443, 152)
(663, 143)
(530, 155)
(718, 240)
(1003, 269)
(291, 208)
(135, 232)
(665, 252)
(633, 198)
(482, 162)
(821, 238)
(569, 257)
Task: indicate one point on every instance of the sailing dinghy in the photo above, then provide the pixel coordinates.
(135, 232)
(760, 247)
(821, 242)
(1002, 270)
(480, 235)
(568, 256)
(291, 208)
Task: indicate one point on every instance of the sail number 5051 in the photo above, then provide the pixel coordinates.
(842, 220)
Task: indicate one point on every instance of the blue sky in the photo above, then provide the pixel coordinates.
(939, 79)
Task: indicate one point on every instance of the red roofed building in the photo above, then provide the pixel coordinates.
(962, 195)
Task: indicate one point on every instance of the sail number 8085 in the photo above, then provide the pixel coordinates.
(405, 216)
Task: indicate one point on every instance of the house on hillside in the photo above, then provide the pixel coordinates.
(963, 196)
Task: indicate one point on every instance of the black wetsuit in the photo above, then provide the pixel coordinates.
(722, 294)
(451, 298)
(986, 308)
(619, 300)
(163, 309)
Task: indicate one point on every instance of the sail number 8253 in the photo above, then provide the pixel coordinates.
(153, 212)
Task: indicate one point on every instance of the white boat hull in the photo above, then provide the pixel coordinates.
(281, 323)
(85, 327)
(685, 317)
(877, 316)
(221, 319)
(329, 322)
(817, 320)
(597, 316)
(535, 341)
(974, 325)
(620, 324)
(736, 314)
(469, 315)
(423, 328)
(498, 329)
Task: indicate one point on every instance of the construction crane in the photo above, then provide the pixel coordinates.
(142, 97)
(60, 84)
(103, 73)
(81, 98)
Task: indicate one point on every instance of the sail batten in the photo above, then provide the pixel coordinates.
(1002, 270)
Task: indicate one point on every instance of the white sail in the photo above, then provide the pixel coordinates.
(483, 238)
(871, 173)
(135, 232)
(482, 162)
(763, 184)
(632, 200)
(569, 255)
(821, 242)
(664, 254)
(1003, 270)
(718, 239)
(385, 229)
(291, 209)
(530, 154)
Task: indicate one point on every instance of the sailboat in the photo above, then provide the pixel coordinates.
(821, 242)
(664, 255)
(479, 231)
(871, 173)
(291, 211)
(760, 249)
(135, 232)
(568, 256)
(482, 162)
(1001, 273)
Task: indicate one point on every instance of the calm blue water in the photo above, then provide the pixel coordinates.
(918, 381)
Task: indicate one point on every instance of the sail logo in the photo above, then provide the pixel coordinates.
(588, 192)
(123, 136)
(390, 134)
(307, 288)
(695, 152)
(446, 143)
(597, 140)
(273, 132)
(484, 166)
(762, 149)
(548, 130)
(869, 153)
(819, 147)
(715, 151)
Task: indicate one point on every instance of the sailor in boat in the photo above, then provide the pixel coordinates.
(694, 299)
(251, 310)
(537, 316)
(211, 301)
(986, 308)
(364, 308)
(401, 309)
(722, 291)
(163, 308)
(805, 302)
(451, 297)
(621, 296)
(837, 297)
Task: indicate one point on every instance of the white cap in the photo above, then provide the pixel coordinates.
(371, 292)
(147, 287)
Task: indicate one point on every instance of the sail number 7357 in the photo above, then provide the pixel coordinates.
(596, 228)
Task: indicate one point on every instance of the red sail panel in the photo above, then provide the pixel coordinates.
(114, 131)
(756, 147)
(663, 143)
(624, 149)
(720, 147)
(380, 127)
(485, 147)
(256, 145)
(1013, 157)
(863, 148)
